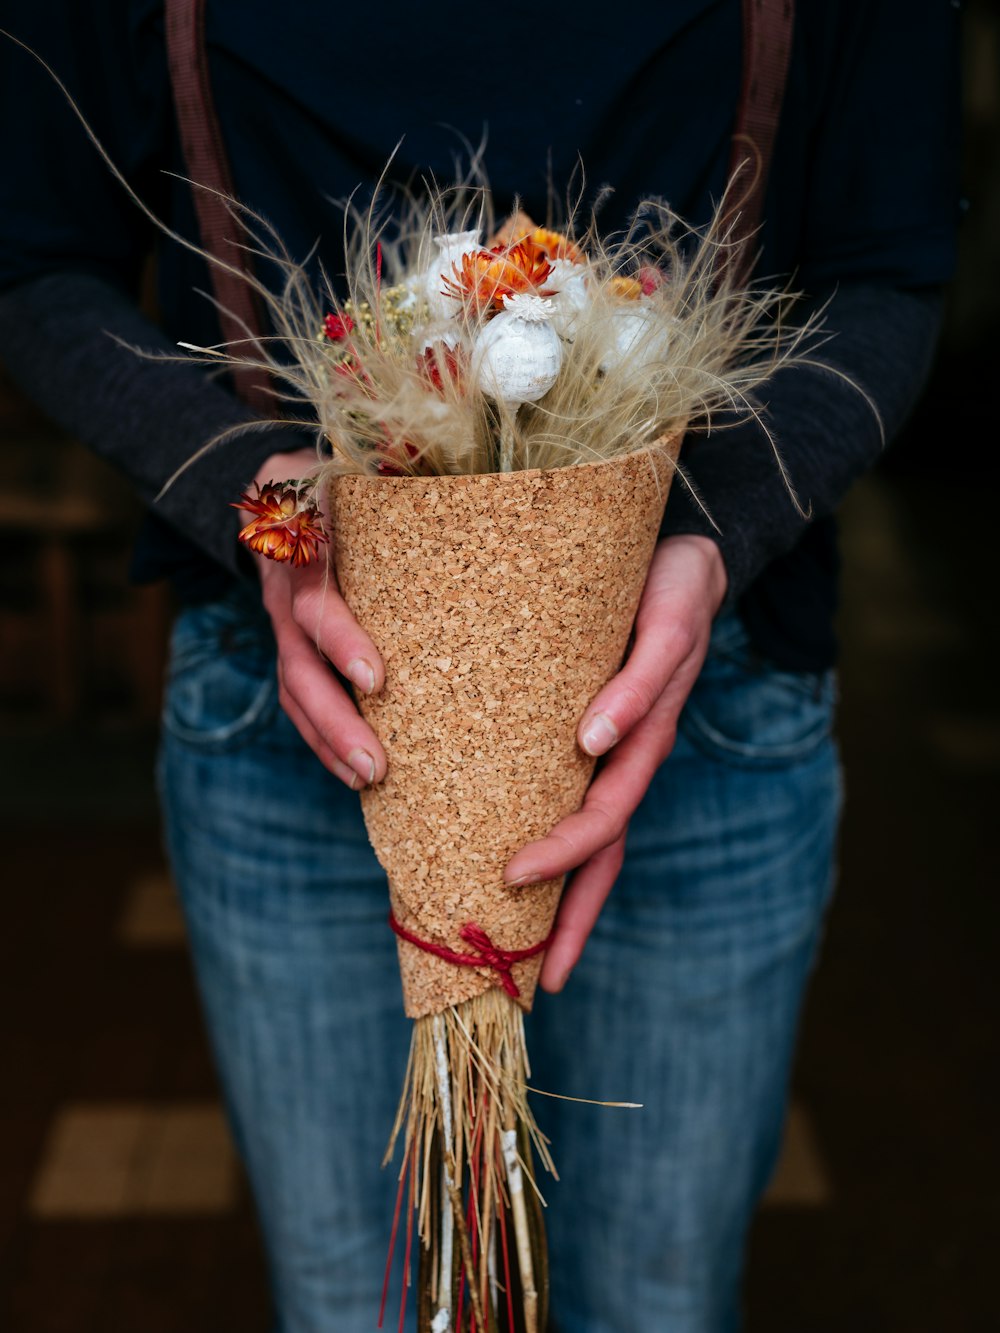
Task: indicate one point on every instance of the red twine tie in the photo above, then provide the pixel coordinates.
(487, 954)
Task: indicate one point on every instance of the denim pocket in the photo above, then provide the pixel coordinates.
(221, 681)
(747, 712)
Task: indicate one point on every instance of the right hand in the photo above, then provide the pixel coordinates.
(314, 630)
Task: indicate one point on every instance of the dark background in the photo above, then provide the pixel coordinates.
(121, 1207)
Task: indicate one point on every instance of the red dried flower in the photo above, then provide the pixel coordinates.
(337, 327)
(440, 359)
(390, 463)
(351, 369)
(651, 279)
(284, 525)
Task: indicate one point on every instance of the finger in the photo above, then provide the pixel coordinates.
(319, 747)
(608, 806)
(324, 618)
(581, 905)
(326, 706)
(660, 649)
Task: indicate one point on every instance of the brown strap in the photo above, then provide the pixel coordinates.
(204, 152)
(767, 48)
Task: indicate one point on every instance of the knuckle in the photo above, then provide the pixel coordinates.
(566, 840)
(678, 639)
(638, 694)
(293, 675)
(614, 820)
(305, 608)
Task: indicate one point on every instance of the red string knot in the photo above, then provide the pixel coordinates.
(487, 953)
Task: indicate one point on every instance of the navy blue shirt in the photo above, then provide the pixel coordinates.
(312, 100)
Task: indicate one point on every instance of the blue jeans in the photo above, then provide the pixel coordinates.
(686, 999)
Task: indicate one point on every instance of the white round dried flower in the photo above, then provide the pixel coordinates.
(638, 335)
(571, 286)
(450, 249)
(517, 355)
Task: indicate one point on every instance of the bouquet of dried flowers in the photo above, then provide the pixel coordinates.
(500, 420)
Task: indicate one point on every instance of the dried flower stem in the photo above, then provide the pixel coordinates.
(447, 1166)
(508, 439)
(515, 1188)
(464, 1109)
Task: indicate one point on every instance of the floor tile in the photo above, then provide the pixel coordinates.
(88, 1162)
(105, 1161)
(152, 916)
(191, 1167)
(800, 1178)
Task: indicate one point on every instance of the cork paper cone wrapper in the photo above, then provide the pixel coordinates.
(501, 604)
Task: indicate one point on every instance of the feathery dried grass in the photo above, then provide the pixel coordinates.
(706, 345)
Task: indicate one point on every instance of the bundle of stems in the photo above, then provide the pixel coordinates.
(469, 1141)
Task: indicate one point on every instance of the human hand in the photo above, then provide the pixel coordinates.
(314, 629)
(634, 721)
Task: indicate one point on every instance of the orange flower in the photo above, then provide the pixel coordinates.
(553, 244)
(284, 526)
(485, 277)
(630, 288)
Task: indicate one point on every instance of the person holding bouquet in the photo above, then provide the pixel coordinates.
(715, 807)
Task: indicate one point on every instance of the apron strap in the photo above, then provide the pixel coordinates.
(222, 233)
(767, 49)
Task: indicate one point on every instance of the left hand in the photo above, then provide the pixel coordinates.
(634, 721)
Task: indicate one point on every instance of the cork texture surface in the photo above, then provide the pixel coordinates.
(500, 604)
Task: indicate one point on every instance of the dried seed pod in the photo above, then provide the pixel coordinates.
(639, 335)
(450, 249)
(517, 355)
(570, 282)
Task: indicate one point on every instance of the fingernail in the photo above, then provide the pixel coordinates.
(600, 734)
(362, 674)
(362, 763)
(522, 880)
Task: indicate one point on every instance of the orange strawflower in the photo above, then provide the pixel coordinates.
(285, 526)
(629, 288)
(485, 277)
(553, 244)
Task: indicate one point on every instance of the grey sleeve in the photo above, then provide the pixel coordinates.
(826, 432)
(61, 338)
